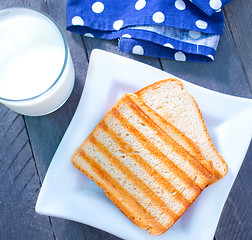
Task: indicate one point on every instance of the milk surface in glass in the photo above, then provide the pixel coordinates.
(36, 69)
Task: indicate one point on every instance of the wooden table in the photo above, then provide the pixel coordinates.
(27, 144)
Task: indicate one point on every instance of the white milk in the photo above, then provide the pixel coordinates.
(36, 70)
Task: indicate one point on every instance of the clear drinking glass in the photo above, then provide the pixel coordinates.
(36, 69)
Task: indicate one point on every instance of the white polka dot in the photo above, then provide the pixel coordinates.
(77, 21)
(219, 10)
(168, 45)
(211, 56)
(140, 4)
(126, 36)
(89, 35)
(98, 7)
(138, 50)
(194, 34)
(215, 4)
(180, 5)
(179, 56)
(201, 24)
(158, 17)
(118, 24)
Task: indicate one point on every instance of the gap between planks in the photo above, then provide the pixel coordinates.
(238, 54)
(36, 166)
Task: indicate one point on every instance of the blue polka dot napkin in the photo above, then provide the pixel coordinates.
(182, 30)
(210, 6)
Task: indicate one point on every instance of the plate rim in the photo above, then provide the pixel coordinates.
(96, 52)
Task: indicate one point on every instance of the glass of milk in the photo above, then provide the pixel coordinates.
(36, 69)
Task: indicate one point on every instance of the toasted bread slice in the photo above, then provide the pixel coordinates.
(149, 176)
(178, 107)
(173, 132)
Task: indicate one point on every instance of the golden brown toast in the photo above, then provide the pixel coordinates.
(146, 166)
(168, 99)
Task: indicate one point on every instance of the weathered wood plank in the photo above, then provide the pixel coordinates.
(226, 75)
(238, 15)
(19, 182)
(236, 222)
(46, 132)
(10, 3)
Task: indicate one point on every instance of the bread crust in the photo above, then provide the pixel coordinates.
(217, 175)
(151, 224)
(99, 159)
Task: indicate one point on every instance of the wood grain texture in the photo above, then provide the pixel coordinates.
(20, 183)
(226, 74)
(238, 16)
(236, 220)
(46, 132)
(27, 144)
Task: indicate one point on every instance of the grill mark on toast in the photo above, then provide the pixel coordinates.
(163, 146)
(219, 172)
(154, 151)
(217, 176)
(134, 178)
(194, 149)
(151, 171)
(182, 187)
(134, 166)
(167, 139)
(144, 219)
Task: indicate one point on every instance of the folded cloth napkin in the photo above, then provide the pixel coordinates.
(176, 29)
(210, 6)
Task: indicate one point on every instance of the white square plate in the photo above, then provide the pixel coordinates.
(67, 193)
